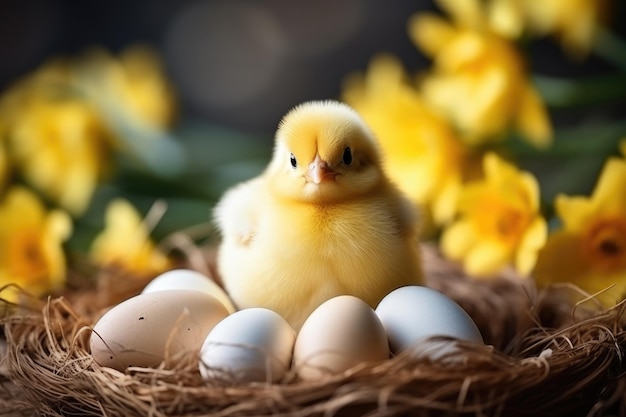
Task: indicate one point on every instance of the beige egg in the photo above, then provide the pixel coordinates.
(340, 334)
(188, 279)
(145, 329)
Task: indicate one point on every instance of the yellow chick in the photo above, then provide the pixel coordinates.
(322, 220)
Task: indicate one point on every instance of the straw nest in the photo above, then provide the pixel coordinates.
(543, 356)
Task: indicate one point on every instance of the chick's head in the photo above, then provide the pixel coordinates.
(324, 153)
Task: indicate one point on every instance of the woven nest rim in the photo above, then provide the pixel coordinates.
(536, 341)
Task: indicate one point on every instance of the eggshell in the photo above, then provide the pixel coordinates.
(147, 328)
(412, 314)
(253, 344)
(188, 279)
(340, 334)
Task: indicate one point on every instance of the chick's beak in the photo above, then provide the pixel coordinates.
(319, 171)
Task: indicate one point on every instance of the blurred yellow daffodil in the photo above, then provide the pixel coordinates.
(60, 148)
(573, 22)
(133, 84)
(421, 153)
(31, 240)
(590, 248)
(62, 121)
(125, 242)
(499, 222)
(145, 86)
(479, 79)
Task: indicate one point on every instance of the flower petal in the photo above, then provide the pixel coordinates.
(466, 13)
(577, 35)
(532, 118)
(59, 225)
(612, 287)
(58, 229)
(464, 49)
(32, 256)
(575, 212)
(445, 202)
(126, 242)
(384, 72)
(430, 33)
(457, 239)
(561, 259)
(610, 191)
(486, 259)
(4, 166)
(534, 238)
(506, 18)
(490, 97)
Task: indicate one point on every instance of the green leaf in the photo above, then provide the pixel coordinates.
(569, 93)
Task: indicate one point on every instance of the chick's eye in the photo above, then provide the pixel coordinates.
(292, 159)
(347, 156)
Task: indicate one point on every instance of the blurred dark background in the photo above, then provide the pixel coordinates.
(237, 63)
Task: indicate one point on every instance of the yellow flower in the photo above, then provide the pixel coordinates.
(55, 139)
(134, 84)
(590, 249)
(31, 238)
(573, 22)
(421, 152)
(62, 121)
(125, 242)
(479, 79)
(499, 222)
(52, 82)
(60, 148)
(146, 88)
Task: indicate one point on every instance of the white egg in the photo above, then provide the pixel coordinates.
(340, 334)
(188, 279)
(413, 314)
(253, 344)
